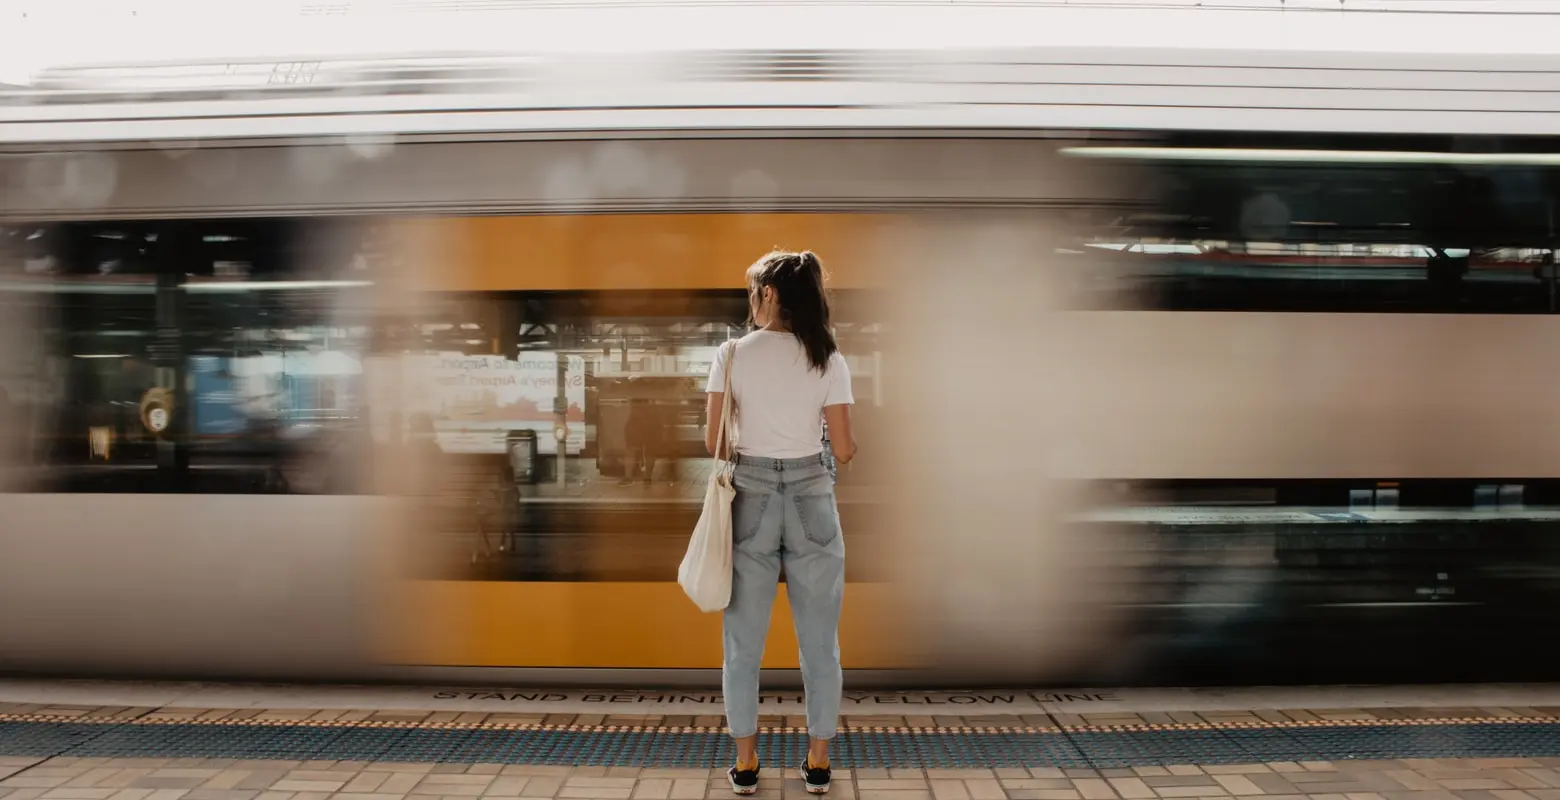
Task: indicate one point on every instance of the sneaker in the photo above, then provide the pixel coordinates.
(815, 778)
(744, 781)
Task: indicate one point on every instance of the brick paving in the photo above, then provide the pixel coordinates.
(65, 778)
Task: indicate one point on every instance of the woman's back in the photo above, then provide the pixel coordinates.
(780, 397)
(787, 379)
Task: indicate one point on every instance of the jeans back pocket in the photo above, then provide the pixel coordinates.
(820, 517)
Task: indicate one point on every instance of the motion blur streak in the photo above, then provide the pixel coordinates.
(1188, 344)
(17, 325)
(999, 587)
(175, 583)
(171, 585)
(1291, 396)
(1008, 400)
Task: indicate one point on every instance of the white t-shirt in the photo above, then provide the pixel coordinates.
(780, 397)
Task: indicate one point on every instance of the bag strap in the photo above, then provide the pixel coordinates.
(725, 438)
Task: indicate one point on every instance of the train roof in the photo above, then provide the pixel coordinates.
(583, 67)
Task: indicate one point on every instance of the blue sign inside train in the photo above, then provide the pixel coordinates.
(218, 407)
(222, 409)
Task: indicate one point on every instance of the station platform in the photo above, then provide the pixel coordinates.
(152, 741)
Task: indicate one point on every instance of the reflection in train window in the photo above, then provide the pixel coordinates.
(620, 375)
(557, 434)
(90, 291)
(188, 356)
(1356, 226)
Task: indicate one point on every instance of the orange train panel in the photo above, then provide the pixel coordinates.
(604, 625)
(637, 251)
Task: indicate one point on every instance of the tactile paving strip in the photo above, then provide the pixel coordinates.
(863, 748)
(46, 739)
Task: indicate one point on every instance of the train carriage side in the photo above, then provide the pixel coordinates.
(1298, 380)
(494, 333)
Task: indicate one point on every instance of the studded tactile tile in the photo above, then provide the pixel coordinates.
(1139, 746)
(1028, 749)
(1519, 739)
(47, 739)
(210, 741)
(1067, 742)
(425, 744)
(1272, 744)
(367, 744)
(1101, 749)
(1134, 748)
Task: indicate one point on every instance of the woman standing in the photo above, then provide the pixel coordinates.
(789, 377)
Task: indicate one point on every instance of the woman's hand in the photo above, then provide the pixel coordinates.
(841, 440)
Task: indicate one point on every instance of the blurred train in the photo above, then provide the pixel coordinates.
(362, 367)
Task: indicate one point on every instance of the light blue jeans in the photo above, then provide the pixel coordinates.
(785, 514)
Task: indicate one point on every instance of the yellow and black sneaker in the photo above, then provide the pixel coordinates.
(743, 781)
(816, 779)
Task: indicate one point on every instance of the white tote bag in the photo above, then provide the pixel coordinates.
(705, 572)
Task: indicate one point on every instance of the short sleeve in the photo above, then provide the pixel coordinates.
(717, 381)
(839, 393)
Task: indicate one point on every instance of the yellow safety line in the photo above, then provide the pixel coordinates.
(153, 719)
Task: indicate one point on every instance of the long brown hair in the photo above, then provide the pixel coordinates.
(797, 279)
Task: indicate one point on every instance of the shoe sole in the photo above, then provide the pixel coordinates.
(811, 789)
(743, 791)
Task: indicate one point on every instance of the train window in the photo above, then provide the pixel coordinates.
(190, 356)
(87, 293)
(581, 456)
(557, 432)
(278, 325)
(1358, 225)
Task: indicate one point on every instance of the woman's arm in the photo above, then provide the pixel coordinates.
(841, 440)
(713, 407)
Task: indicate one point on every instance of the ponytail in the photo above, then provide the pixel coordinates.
(797, 279)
